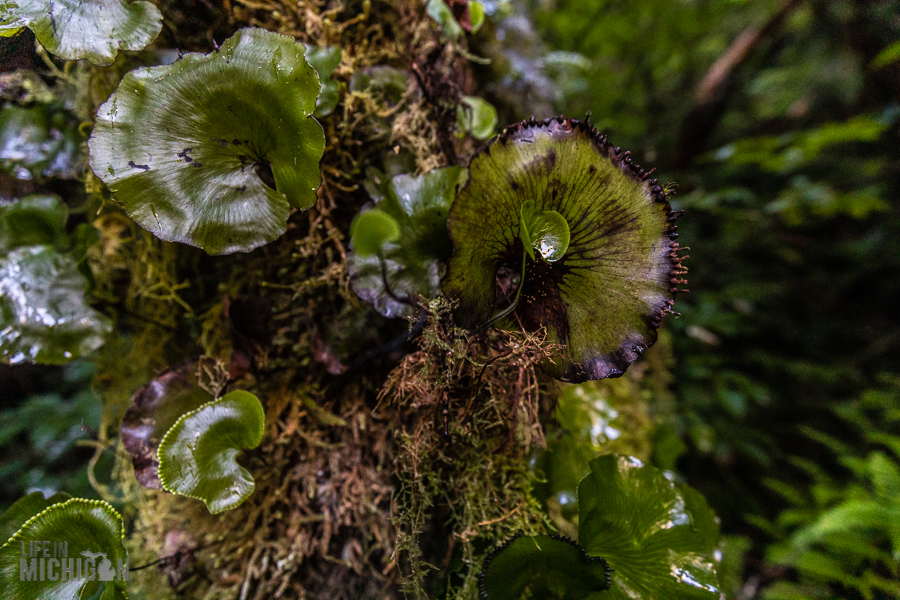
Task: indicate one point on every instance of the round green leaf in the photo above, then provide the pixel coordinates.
(477, 116)
(187, 148)
(419, 205)
(544, 566)
(91, 29)
(545, 231)
(23, 509)
(154, 410)
(43, 314)
(86, 535)
(33, 221)
(605, 297)
(371, 230)
(197, 457)
(658, 537)
(440, 12)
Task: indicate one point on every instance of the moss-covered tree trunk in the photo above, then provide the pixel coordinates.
(387, 466)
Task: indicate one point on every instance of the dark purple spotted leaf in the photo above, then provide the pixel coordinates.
(154, 409)
(604, 297)
(194, 149)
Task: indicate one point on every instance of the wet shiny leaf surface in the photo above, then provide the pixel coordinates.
(419, 206)
(190, 149)
(91, 29)
(658, 537)
(197, 457)
(93, 533)
(43, 314)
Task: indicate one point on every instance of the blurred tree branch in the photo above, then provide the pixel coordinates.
(710, 97)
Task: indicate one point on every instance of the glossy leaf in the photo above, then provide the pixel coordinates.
(477, 116)
(40, 141)
(154, 410)
(188, 148)
(658, 537)
(32, 221)
(197, 457)
(43, 314)
(371, 230)
(545, 231)
(91, 29)
(440, 12)
(23, 509)
(325, 60)
(546, 566)
(419, 205)
(605, 297)
(93, 534)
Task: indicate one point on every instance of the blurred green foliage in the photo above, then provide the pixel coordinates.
(779, 122)
(39, 435)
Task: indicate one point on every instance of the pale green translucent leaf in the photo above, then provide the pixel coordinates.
(476, 10)
(545, 231)
(91, 29)
(477, 116)
(545, 567)
(419, 205)
(187, 148)
(43, 314)
(371, 230)
(92, 533)
(23, 509)
(887, 56)
(658, 537)
(440, 12)
(33, 221)
(197, 457)
(325, 60)
(604, 298)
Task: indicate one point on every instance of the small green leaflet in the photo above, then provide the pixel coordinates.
(410, 261)
(371, 230)
(545, 231)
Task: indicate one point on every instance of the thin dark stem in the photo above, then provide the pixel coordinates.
(509, 309)
(387, 286)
